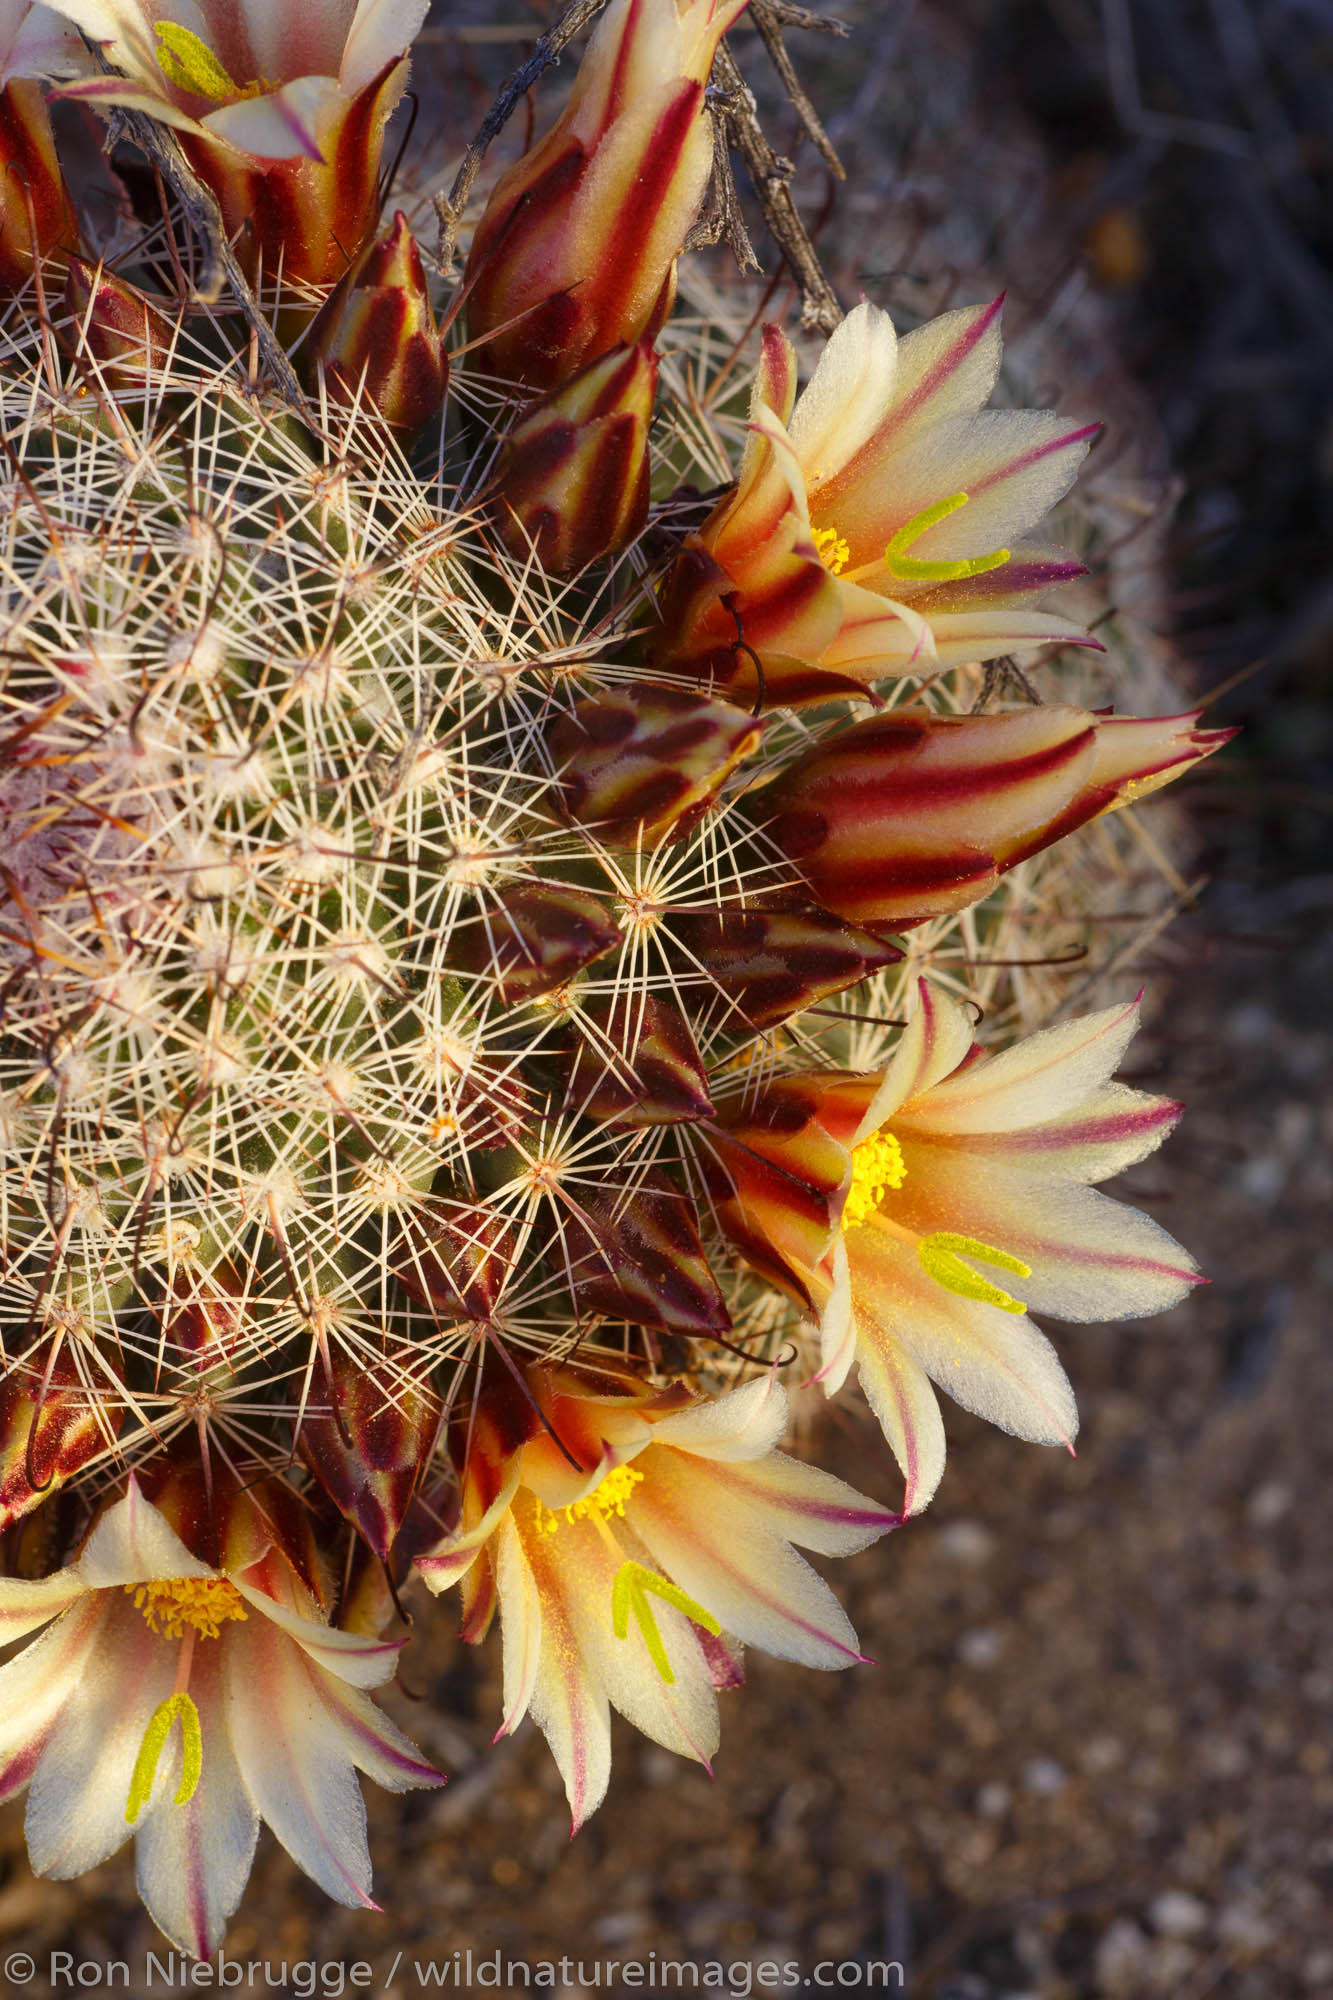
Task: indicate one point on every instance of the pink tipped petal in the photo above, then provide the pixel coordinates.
(36, 1682)
(802, 1504)
(301, 1781)
(381, 30)
(936, 1040)
(1114, 1129)
(1041, 1077)
(521, 1623)
(288, 125)
(570, 1709)
(746, 1424)
(898, 1390)
(847, 394)
(371, 1742)
(133, 1543)
(25, 1605)
(360, 1661)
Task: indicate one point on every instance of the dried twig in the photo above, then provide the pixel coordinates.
(450, 208)
(769, 175)
(722, 217)
(767, 19)
(162, 149)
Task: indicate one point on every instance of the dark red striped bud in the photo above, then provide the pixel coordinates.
(637, 1063)
(648, 760)
(456, 1265)
(120, 329)
(571, 483)
(375, 339)
(205, 1312)
(766, 964)
(36, 215)
(637, 1256)
(367, 1437)
(51, 1424)
(534, 937)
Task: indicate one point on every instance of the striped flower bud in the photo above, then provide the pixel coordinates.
(571, 484)
(119, 329)
(36, 215)
(375, 339)
(369, 1444)
(51, 1424)
(637, 1063)
(637, 1256)
(909, 816)
(763, 965)
(576, 252)
(536, 936)
(457, 1266)
(648, 760)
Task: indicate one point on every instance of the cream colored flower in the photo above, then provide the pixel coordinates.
(182, 1704)
(629, 1538)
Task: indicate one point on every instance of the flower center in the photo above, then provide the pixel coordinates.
(204, 1603)
(877, 1167)
(190, 64)
(607, 1497)
(831, 549)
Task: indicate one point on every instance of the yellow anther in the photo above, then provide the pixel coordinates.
(205, 1603)
(607, 1497)
(877, 1167)
(942, 1256)
(176, 1707)
(917, 570)
(190, 64)
(629, 1594)
(831, 549)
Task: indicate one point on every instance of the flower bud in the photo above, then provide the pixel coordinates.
(909, 816)
(115, 326)
(577, 249)
(370, 1443)
(637, 1064)
(51, 1424)
(648, 761)
(456, 1266)
(535, 937)
(572, 480)
(36, 215)
(638, 1257)
(767, 964)
(375, 340)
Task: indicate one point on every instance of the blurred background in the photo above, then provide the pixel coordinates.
(1094, 1756)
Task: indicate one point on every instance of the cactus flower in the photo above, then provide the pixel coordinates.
(571, 484)
(375, 340)
(627, 1538)
(875, 525)
(280, 109)
(576, 251)
(923, 1210)
(36, 215)
(909, 815)
(182, 1704)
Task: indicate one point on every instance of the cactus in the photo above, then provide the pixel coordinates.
(426, 1039)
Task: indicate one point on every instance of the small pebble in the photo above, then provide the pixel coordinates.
(981, 1647)
(1175, 1913)
(1044, 1776)
(1268, 1503)
(1241, 1926)
(994, 1800)
(965, 1541)
(1121, 1961)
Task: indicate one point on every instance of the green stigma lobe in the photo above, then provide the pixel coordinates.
(915, 568)
(941, 1257)
(190, 64)
(154, 1743)
(629, 1593)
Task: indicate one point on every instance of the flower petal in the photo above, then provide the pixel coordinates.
(746, 1423)
(134, 1543)
(936, 1040)
(352, 1657)
(1038, 1079)
(898, 1390)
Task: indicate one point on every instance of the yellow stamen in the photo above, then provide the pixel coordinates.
(175, 1707)
(169, 1604)
(831, 549)
(917, 570)
(629, 1593)
(877, 1166)
(941, 1258)
(190, 64)
(607, 1497)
